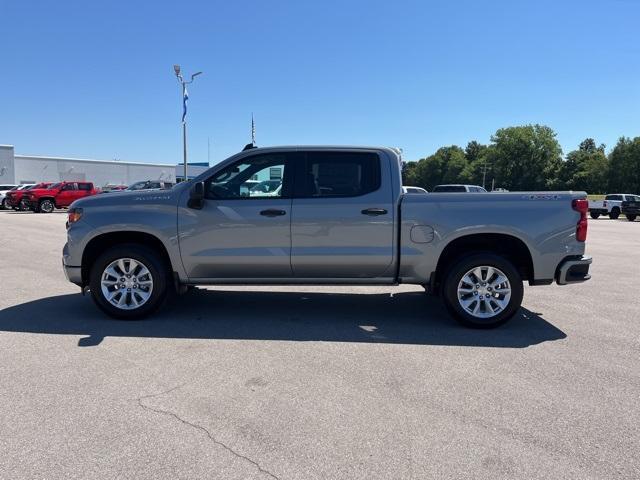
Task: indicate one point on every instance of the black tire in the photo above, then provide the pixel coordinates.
(615, 213)
(458, 270)
(46, 206)
(4, 204)
(631, 218)
(151, 260)
(594, 215)
(22, 206)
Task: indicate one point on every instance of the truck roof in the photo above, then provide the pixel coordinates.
(322, 147)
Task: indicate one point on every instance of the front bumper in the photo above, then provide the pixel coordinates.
(73, 274)
(573, 270)
(631, 211)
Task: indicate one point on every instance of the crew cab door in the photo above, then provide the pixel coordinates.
(66, 195)
(240, 232)
(343, 216)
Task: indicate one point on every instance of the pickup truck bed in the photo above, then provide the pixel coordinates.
(338, 217)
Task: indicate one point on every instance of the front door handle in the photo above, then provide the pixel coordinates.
(374, 212)
(272, 213)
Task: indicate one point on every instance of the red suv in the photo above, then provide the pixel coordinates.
(59, 195)
(14, 197)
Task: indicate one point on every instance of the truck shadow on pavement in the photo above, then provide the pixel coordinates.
(401, 318)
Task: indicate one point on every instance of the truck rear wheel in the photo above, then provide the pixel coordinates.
(129, 282)
(615, 213)
(594, 215)
(483, 290)
(631, 218)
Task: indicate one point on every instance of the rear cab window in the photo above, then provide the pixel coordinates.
(450, 188)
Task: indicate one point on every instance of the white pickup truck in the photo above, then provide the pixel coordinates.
(611, 205)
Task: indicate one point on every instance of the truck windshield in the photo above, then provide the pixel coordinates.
(55, 185)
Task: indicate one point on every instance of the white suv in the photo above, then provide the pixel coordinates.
(4, 188)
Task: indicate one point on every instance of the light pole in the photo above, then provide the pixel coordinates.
(185, 97)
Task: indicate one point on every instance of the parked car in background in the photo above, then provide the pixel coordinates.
(611, 205)
(458, 188)
(265, 186)
(413, 190)
(14, 197)
(59, 195)
(113, 188)
(149, 185)
(341, 218)
(4, 188)
(630, 207)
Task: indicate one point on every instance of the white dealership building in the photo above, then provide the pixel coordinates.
(17, 169)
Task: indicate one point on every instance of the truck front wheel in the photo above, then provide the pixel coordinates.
(46, 206)
(129, 282)
(483, 290)
(630, 217)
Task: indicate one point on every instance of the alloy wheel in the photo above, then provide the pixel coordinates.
(484, 291)
(126, 283)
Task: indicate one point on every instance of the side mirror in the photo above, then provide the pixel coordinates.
(196, 196)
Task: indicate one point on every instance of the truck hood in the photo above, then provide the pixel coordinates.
(41, 191)
(131, 199)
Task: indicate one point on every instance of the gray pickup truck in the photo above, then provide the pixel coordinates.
(332, 216)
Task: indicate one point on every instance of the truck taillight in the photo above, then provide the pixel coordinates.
(581, 206)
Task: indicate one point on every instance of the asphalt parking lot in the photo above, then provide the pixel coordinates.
(317, 383)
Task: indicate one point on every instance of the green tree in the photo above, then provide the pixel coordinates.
(525, 158)
(409, 173)
(624, 166)
(447, 165)
(586, 168)
(476, 155)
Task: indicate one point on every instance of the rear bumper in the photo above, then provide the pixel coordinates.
(601, 211)
(573, 270)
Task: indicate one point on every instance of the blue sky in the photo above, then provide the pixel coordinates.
(95, 79)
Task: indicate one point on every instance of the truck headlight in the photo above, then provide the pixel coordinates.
(75, 214)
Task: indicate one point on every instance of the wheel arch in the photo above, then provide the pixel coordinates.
(505, 245)
(98, 244)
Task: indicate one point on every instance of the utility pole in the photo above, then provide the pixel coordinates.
(185, 97)
(484, 173)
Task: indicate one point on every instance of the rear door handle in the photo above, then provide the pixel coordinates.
(272, 212)
(374, 212)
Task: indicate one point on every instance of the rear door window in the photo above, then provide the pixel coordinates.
(338, 174)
